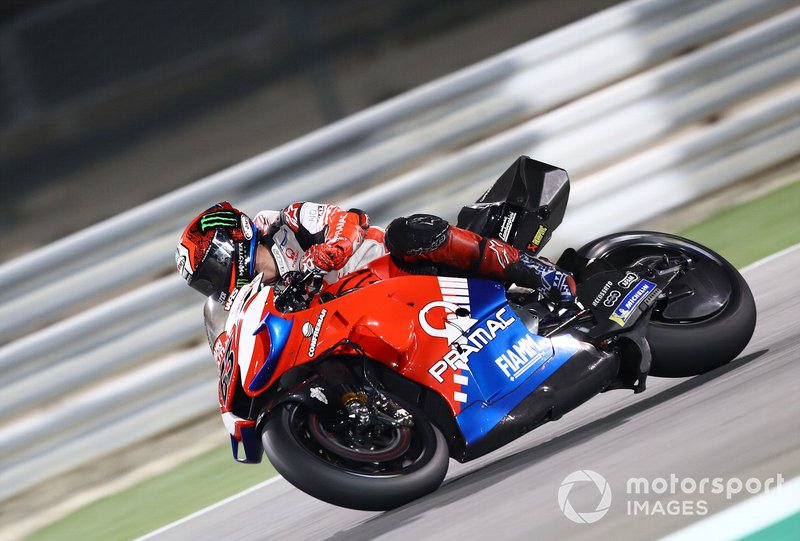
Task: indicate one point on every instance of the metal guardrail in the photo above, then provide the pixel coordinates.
(468, 106)
(90, 364)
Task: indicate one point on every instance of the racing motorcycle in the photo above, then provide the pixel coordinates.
(359, 392)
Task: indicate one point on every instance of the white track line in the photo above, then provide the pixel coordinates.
(210, 508)
(770, 258)
(744, 518)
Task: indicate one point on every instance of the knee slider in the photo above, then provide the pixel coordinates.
(417, 234)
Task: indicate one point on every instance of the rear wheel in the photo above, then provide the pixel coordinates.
(709, 314)
(373, 470)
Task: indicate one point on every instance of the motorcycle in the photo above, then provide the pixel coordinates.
(361, 391)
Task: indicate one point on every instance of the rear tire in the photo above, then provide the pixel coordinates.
(696, 344)
(297, 444)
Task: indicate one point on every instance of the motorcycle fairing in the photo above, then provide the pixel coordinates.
(460, 338)
(494, 361)
(499, 362)
(251, 349)
(551, 393)
(278, 330)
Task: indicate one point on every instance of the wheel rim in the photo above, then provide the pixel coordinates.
(399, 451)
(388, 445)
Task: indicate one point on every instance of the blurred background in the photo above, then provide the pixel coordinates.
(105, 104)
(121, 120)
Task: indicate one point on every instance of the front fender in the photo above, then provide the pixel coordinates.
(312, 393)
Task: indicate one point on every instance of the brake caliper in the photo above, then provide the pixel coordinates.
(392, 409)
(356, 406)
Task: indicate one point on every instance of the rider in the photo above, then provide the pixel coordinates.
(222, 249)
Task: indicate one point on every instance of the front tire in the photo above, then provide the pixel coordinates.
(406, 465)
(690, 336)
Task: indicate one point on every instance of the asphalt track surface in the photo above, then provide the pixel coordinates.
(740, 421)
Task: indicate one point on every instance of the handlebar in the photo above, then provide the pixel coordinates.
(296, 294)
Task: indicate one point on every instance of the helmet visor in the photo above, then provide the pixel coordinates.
(213, 275)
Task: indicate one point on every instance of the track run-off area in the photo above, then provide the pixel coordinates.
(732, 432)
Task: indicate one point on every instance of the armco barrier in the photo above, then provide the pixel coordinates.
(648, 105)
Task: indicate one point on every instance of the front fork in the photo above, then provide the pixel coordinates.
(332, 392)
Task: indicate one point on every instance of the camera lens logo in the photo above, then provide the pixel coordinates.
(581, 476)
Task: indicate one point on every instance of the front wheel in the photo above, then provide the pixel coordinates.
(709, 314)
(369, 471)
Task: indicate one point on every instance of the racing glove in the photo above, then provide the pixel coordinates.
(328, 256)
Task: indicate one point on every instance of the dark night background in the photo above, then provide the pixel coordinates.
(105, 104)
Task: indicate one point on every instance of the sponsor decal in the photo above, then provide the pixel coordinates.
(455, 302)
(507, 225)
(308, 329)
(612, 298)
(312, 216)
(284, 240)
(459, 329)
(283, 268)
(223, 218)
(229, 302)
(247, 229)
(628, 281)
(634, 298)
(291, 254)
(227, 370)
(183, 260)
(501, 251)
(602, 293)
(454, 325)
(238, 298)
(537, 238)
(466, 345)
(338, 233)
(520, 357)
(219, 349)
(290, 215)
(312, 347)
(241, 264)
(319, 394)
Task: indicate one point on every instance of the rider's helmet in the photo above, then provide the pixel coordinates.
(216, 252)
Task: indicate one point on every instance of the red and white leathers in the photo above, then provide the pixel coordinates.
(308, 236)
(426, 239)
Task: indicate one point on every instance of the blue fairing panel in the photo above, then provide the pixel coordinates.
(278, 329)
(485, 297)
(479, 418)
(506, 368)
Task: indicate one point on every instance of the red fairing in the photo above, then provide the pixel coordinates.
(392, 331)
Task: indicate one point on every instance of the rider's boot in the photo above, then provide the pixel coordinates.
(423, 238)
